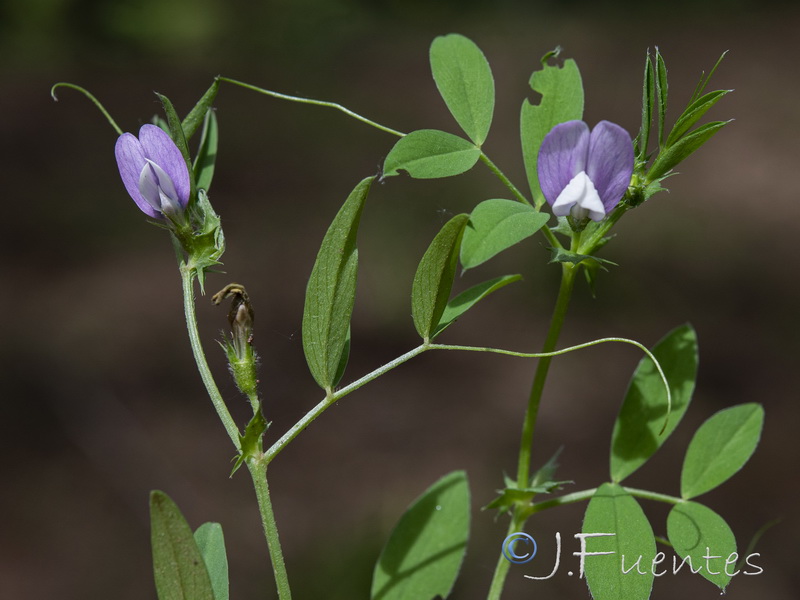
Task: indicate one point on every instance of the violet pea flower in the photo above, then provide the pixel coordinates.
(585, 174)
(154, 172)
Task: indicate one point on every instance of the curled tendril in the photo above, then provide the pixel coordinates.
(91, 97)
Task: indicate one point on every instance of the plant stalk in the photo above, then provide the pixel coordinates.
(258, 472)
(568, 272)
(187, 280)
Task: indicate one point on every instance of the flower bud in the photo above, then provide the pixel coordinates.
(242, 358)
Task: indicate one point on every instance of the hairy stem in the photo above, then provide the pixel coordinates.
(187, 281)
(258, 472)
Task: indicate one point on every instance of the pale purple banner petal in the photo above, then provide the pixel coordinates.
(610, 163)
(562, 155)
(160, 149)
(131, 161)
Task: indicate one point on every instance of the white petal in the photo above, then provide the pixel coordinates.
(579, 198)
(148, 186)
(169, 206)
(164, 181)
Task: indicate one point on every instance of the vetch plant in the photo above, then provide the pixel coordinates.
(589, 178)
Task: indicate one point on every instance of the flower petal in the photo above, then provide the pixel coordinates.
(160, 148)
(610, 163)
(131, 160)
(164, 181)
(580, 199)
(148, 187)
(561, 157)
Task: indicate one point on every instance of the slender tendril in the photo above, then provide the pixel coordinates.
(301, 100)
(91, 97)
(587, 494)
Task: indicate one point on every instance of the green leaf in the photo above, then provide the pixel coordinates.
(429, 153)
(693, 113)
(207, 153)
(161, 122)
(469, 298)
(547, 472)
(679, 151)
(704, 540)
(648, 100)
(638, 428)
(701, 85)
(344, 360)
(465, 82)
(625, 573)
(720, 447)
(177, 135)
(422, 558)
(496, 225)
(434, 277)
(197, 115)
(562, 100)
(179, 569)
(211, 543)
(331, 291)
(661, 91)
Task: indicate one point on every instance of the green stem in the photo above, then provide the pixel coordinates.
(590, 244)
(551, 238)
(333, 105)
(506, 181)
(502, 566)
(187, 280)
(258, 471)
(587, 494)
(333, 397)
(568, 272)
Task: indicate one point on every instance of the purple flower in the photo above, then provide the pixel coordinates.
(585, 174)
(154, 172)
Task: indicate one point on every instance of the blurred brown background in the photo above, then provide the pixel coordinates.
(101, 401)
